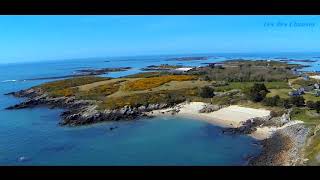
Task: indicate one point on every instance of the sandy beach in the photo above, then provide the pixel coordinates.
(228, 117)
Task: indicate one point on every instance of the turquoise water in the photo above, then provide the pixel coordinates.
(33, 137)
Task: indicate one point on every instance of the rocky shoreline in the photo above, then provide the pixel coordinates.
(284, 148)
(79, 112)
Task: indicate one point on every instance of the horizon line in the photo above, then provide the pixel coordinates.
(146, 55)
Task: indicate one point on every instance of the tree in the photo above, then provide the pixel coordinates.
(286, 103)
(317, 106)
(257, 92)
(206, 78)
(206, 92)
(297, 100)
(272, 101)
(310, 104)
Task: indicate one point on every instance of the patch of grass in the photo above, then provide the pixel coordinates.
(223, 100)
(311, 97)
(310, 117)
(139, 99)
(300, 82)
(283, 93)
(313, 150)
(66, 92)
(153, 82)
(100, 91)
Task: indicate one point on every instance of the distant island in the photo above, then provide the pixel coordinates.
(199, 58)
(84, 72)
(271, 101)
(167, 67)
(298, 60)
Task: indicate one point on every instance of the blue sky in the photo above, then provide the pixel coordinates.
(36, 38)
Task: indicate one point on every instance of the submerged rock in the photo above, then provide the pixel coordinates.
(23, 159)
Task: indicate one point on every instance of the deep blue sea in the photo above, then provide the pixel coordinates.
(33, 137)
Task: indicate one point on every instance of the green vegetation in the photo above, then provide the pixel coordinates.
(297, 101)
(99, 92)
(282, 93)
(257, 92)
(221, 86)
(138, 99)
(272, 101)
(206, 92)
(311, 97)
(228, 99)
(300, 82)
(314, 105)
(247, 71)
(312, 151)
(66, 92)
(310, 117)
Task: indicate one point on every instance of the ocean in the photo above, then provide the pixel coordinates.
(33, 136)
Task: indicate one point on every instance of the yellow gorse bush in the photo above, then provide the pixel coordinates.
(148, 83)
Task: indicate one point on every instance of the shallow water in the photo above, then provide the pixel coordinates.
(33, 137)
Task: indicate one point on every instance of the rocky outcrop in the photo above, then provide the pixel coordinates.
(90, 114)
(280, 120)
(208, 108)
(80, 112)
(284, 147)
(248, 126)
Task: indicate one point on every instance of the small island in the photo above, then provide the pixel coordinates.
(199, 58)
(167, 67)
(84, 72)
(265, 99)
(298, 60)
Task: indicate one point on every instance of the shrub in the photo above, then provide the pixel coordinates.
(257, 92)
(286, 103)
(317, 106)
(206, 78)
(272, 101)
(297, 100)
(310, 104)
(206, 92)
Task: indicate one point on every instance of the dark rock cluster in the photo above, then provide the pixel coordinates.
(80, 112)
